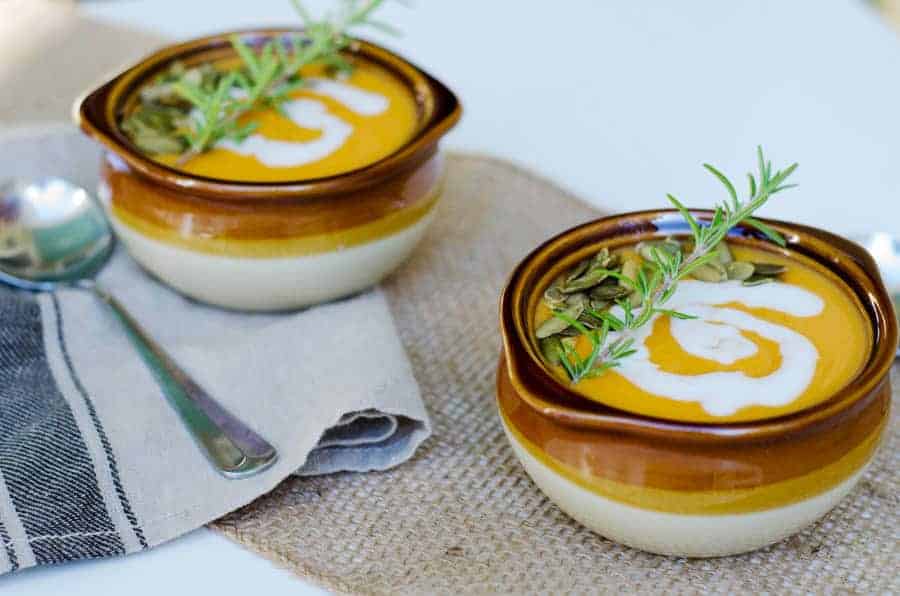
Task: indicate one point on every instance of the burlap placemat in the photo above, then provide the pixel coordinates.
(462, 516)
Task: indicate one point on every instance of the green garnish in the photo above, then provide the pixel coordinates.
(654, 281)
(190, 110)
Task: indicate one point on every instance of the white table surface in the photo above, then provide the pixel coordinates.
(620, 103)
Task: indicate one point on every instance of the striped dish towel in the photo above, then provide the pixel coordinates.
(93, 461)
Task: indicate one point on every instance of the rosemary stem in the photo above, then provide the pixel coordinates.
(654, 282)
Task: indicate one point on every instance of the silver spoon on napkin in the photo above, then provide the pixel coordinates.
(52, 235)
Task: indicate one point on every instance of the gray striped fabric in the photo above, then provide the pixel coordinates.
(93, 462)
(53, 500)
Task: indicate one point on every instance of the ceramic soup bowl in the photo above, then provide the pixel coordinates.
(693, 487)
(270, 245)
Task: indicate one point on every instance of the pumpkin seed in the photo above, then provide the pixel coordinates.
(149, 139)
(579, 268)
(769, 269)
(600, 305)
(739, 270)
(602, 256)
(577, 298)
(710, 272)
(757, 280)
(724, 253)
(604, 259)
(588, 280)
(554, 297)
(554, 324)
(630, 267)
(609, 293)
(551, 348)
(162, 93)
(646, 248)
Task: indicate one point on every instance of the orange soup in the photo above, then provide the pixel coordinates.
(752, 352)
(332, 125)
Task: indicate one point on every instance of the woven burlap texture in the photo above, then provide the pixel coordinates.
(462, 516)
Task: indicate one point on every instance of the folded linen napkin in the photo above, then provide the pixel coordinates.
(94, 462)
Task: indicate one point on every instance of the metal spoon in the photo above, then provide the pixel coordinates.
(53, 235)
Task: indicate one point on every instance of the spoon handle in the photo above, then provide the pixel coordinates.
(231, 446)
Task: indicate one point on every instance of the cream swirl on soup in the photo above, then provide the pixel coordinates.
(716, 334)
(314, 115)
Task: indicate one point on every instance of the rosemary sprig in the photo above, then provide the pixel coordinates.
(268, 77)
(656, 281)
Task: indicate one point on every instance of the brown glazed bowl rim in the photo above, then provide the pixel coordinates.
(543, 391)
(97, 114)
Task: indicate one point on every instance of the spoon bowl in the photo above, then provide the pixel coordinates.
(54, 235)
(51, 232)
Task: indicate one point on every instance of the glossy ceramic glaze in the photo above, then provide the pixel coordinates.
(269, 245)
(690, 488)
